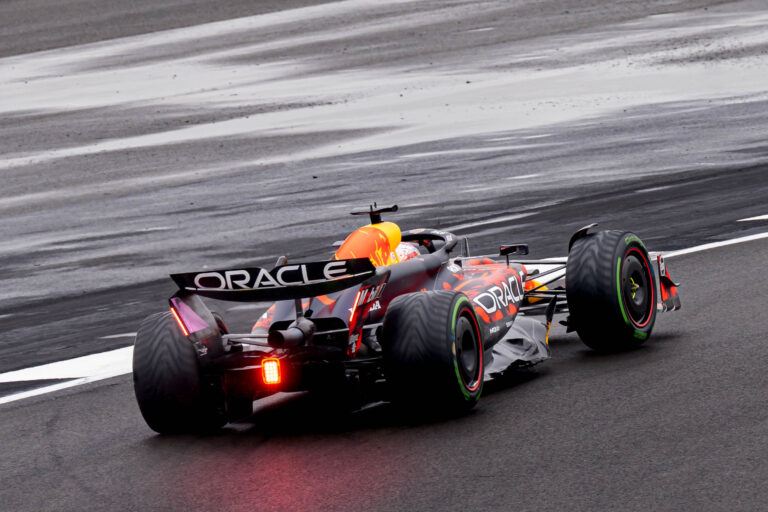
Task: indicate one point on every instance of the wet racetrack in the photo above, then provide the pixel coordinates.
(172, 136)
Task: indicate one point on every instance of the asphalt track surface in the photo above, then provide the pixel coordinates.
(93, 216)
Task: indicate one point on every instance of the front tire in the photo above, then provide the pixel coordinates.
(433, 351)
(610, 290)
(171, 392)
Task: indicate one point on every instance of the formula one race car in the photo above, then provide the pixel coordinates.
(408, 317)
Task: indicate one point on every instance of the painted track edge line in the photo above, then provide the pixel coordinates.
(56, 387)
(714, 245)
(750, 219)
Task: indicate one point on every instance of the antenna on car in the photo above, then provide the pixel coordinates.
(375, 212)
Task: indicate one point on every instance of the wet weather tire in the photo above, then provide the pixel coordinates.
(172, 395)
(610, 290)
(433, 352)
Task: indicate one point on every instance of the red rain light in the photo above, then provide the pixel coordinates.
(178, 321)
(354, 306)
(270, 371)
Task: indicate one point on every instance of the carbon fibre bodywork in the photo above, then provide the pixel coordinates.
(325, 328)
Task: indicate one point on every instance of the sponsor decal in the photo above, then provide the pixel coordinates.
(371, 293)
(259, 278)
(494, 329)
(499, 297)
(375, 306)
(454, 268)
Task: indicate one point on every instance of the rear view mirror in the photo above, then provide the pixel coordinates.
(513, 250)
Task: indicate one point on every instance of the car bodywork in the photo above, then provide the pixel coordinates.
(324, 330)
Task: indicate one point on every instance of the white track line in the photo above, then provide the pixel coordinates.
(83, 370)
(714, 245)
(93, 365)
(52, 388)
(484, 222)
(759, 217)
(121, 335)
(118, 362)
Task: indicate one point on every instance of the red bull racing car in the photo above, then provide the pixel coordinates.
(409, 317)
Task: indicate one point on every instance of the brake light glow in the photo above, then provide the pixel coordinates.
(270, 371)
(178, 321)
(354, 306)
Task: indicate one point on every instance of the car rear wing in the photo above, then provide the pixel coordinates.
(285, 282)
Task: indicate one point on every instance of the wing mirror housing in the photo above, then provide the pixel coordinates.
(513, 250)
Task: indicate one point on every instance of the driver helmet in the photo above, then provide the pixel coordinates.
(406, 251)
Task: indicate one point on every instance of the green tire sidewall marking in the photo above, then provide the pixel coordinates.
(618, 290)
(632, 238)
(461, 300)
(463, 388)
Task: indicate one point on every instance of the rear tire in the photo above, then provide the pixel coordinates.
(173, 396)
(433, 351)
(610, 290)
